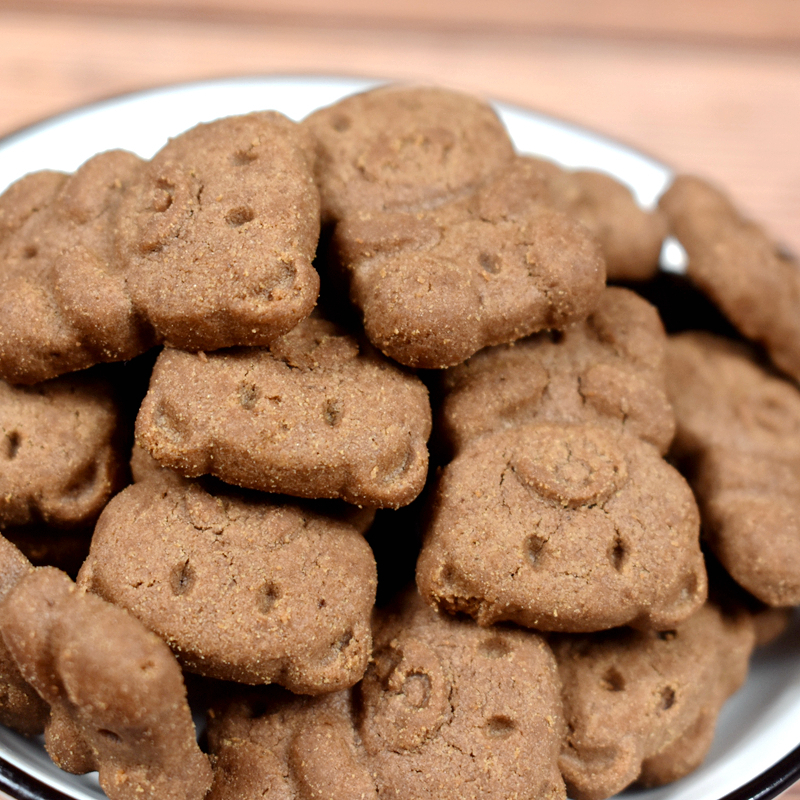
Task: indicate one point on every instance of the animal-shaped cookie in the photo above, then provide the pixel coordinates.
(317, 414)
(451, 259)
(564, 528)
(608, 370)
(61, 451)
(116, 694)
(246, 588)
(642, 706)
(734, 262)
(738, 440)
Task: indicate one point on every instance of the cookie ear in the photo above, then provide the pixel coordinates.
(594, 773)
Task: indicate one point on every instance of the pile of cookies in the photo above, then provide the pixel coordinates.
(363, 438)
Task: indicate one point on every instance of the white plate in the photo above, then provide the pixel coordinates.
(758, 728)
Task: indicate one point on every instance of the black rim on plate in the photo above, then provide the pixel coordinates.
(22, 786)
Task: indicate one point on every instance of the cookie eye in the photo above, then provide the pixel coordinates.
(248, 395)
(236, 217)
(341, 124)
(182, 578)
(499, 727)
(534, 545)
(267, 598)
(495, 647)
(489, 263)
(83, 483)
(242, 158)
(333, 412)
(667, 698)
(11, 443)
(618, 555)
(612, 680)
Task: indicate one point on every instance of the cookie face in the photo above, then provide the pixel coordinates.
(434, 286)
(220, 233)
(116, 694)
(446, 710)
(739, 441)
(314, 415)
(642, 706)
(61, 452)
(608, 370)
(566, 528)
(733, 261)
(398, 148)
(65, 304)
(21, 708)
(242, 588)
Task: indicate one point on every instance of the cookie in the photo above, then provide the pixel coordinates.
(315, 415)
(245, 588)
(21, 708)
(65, 304)
(208, 245)
(738, 439)
(608, 370)
(454, 711)
(116, 694)
(436, 285)
(735, 263)
(565, 528)
(220, 232)
(398, 148)
(446, 710)
(630, 236)
(642, 706)
(61, 450)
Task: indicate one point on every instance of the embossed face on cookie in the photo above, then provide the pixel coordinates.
(563, 527)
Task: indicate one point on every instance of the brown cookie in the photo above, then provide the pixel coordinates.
(630, 236)
(642, 706)
(436, 285)
(742, 271)
(450, 710)
(220, 233)
(565, 528)
(738, 439)
(61, 451)
(244, 588)
(273, 744)
(401, 148)
(116, 694)
(64, 302)
(314, 415)
(21, 708)
(608, 370)
(446, 710)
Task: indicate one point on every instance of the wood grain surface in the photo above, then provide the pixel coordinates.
(707, 86)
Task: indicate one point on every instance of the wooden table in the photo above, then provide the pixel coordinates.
(708, 86)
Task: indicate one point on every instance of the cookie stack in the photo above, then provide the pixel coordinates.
(282, 369)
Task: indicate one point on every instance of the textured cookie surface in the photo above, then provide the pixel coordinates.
(451, 710)
(220, 232)
(314, 415)
(60, 451)
(734, 262)
(401, 148)
(642, 706)
(629, 235)
(607, 371)
(243, 588)
(563, 527)
(116, 694)
(63, 299)
(446, 710)
(435, 286)
(738, 438)
(21, 708)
